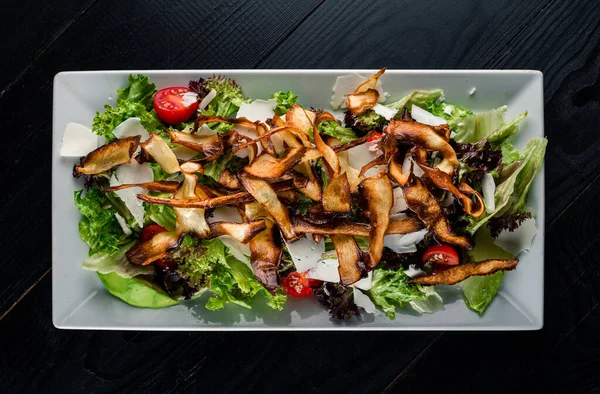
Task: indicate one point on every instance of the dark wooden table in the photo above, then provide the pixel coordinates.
(561, 38)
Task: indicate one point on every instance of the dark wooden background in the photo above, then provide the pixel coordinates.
(561, 38)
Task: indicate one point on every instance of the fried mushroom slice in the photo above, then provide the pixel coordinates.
(156, 186)
(241, 232)
(326, 151)
(343, 227)
(461, 272)
(349, 256)
(268, 167)
(426, 137)
(358, 103)
(337, 197)
(109, 156)
(428, 209)
(211, 146)
(228, 180)
(265, 256)
(377, 192)
(267, 197)
(156, 147)
(155, 248)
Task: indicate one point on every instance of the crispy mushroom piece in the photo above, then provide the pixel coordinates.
(241, 232)
(377, 192)
(211, 146)
(337, 197)
(265, 256)
(395, 170)
(344, 227)
(461, 272)
(157, 186)
(424, 136)
(220, 201)
(349, 257)
(228, 180)
(443, 181)
(301, 120)
(267, 197)
(109, 156)
(371, 82)
(156, 147)
(156, 248)
(358, 103)
(328, 153)
(268, 167)
(428, 209)
(191, 220)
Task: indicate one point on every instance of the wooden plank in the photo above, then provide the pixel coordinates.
(564, 43)
(158, 35)
(403, 34)
(27, 33)
(40, 358)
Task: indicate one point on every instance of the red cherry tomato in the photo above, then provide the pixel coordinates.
(170, 106)
(441, 255)
(297, 284)
(375, 137)
(150, 231)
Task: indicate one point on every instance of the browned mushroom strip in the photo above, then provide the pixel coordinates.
(156, 248)
(156, 147)
(425, 137)
(349, 256)
(200, 120)
(268, 167)
(241, 232)
(265, 256)
(158, 186)
(228, 180)
(358, 103)
(337, 197)
(109, 156)
(461, 272)
(404, 226)
(419, 200)
(210, 145)
(267, 197)
(377, 191)
(327, 152)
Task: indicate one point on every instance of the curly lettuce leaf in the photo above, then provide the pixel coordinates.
(510, 196)
(139, 90)
(227, 102)
(417, 97)
(391, 289)
(338, 299)
(99, 227)
(285, 100)
(446, 110)
(334, 130)
(163, 215)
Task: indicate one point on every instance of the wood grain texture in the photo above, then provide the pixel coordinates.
(559, 38)
(173, 34)
(403, 34)
(29, 28)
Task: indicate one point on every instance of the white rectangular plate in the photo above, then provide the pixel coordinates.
(79, 301)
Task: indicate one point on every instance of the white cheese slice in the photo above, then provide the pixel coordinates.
(248, 132)
(387, 112)
(183, 153)
(258, 110)
(488, 188)
(123, 224)
(130, 128)
(408, 160)
(422, 116)
(365, 283)
(205, 130)
(399, 201)
(363, 301)
(519, 240)
(305, 253)
(448, 110)
(363, 154)
(189, 98)
(207, 99)
(132, 172)
(78, 140)
(325, 270)
(414, 272)
(404, 243)
(347, 84)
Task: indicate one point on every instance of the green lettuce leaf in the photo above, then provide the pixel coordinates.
(163, 215)
(136, 291)
(418, 97)
(433, 302)
(140, 90)
(135, 100)
(391, 289)
(106, 262)
(285, 100)
(158, 172)
(511, 194)
(334, 130)
(227, 102)
(479, 291)
(445, 110)
(99, 227)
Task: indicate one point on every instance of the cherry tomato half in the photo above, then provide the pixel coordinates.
(171, 107)
(375, 137)
(297, 284)
(441, 255)
(150, 231)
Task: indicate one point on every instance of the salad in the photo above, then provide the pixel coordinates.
(369, 206)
